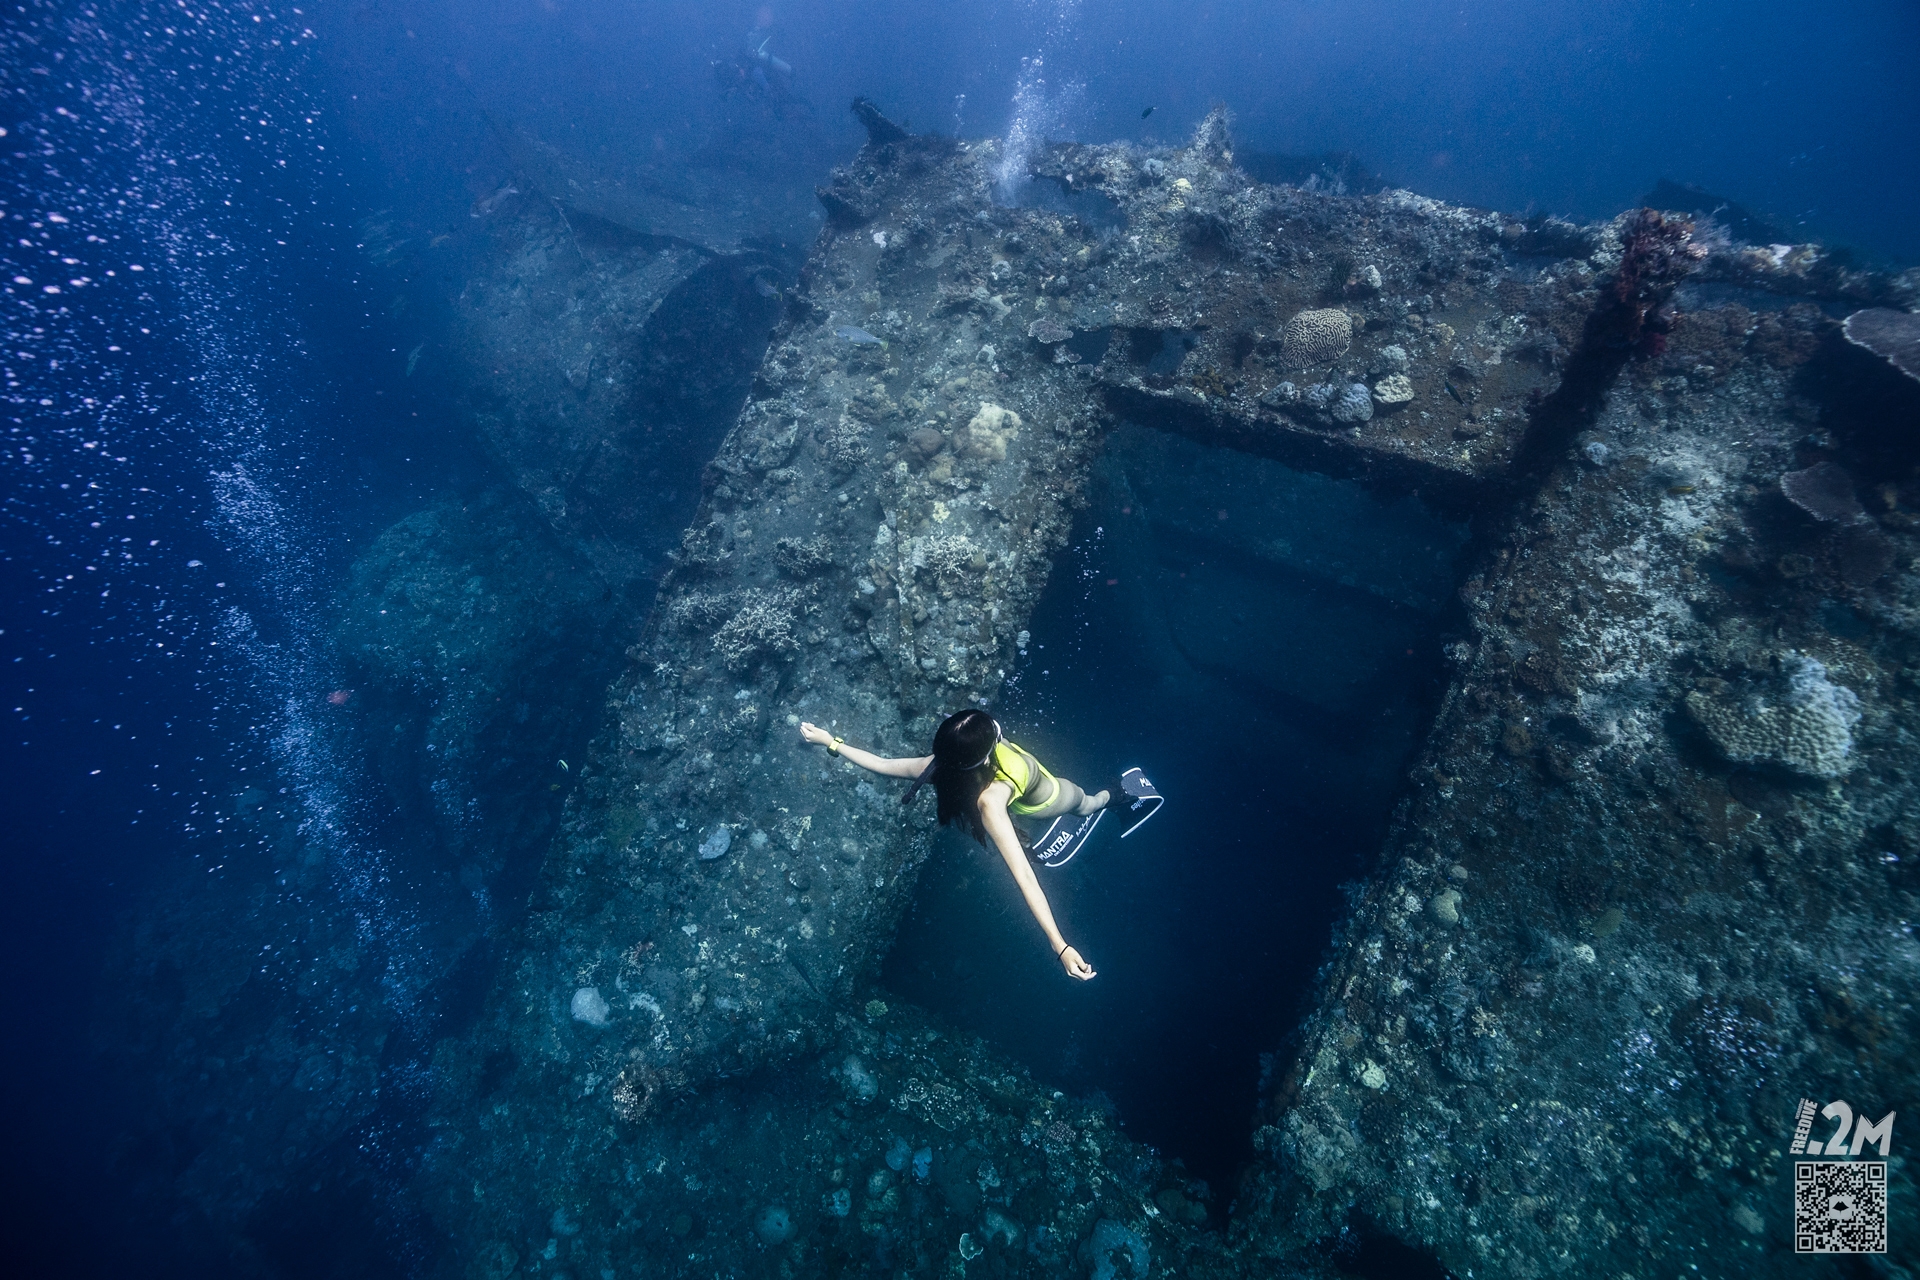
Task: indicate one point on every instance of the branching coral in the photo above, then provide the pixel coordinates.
(1658, 252)
(845, 443)
(802, 559)
(949, 557)
(763, 624)
(698, 610)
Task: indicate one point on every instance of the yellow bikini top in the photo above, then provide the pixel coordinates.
(1021, 771)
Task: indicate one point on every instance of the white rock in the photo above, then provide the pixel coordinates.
(716, 844)
(860, 1082)
(590, 1007)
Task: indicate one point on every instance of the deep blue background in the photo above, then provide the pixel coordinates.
(259, 138)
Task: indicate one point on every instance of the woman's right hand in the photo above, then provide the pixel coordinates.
(1076, 967)
(815, 734)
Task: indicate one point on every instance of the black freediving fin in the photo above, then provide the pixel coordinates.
(1146, 799)
(1064, 837)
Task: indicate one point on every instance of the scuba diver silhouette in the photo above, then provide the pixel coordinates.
(758, 74)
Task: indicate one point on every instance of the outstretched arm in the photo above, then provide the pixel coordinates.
(903, 767)
(993, 812)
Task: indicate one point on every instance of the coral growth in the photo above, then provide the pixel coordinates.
(590, 1007)
(1343, 401)
(1806, 727)
(951, 558)
(845, 443)
(1892, 335)
(763, 624)
(1395, 388)
(986, 435)
(1657, 252)
(802, 559)
(1315, 337)
(1825, 492)
(1047, 331)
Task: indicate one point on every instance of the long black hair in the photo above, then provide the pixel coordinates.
(961, 769)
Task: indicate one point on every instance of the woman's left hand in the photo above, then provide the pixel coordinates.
(1076, 967)
(815, 734)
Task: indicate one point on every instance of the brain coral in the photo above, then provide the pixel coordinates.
(1314, 337)
(1809, 729)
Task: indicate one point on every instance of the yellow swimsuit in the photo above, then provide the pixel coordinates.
(1019, 770)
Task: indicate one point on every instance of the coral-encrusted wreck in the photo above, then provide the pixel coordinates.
(1649, 883)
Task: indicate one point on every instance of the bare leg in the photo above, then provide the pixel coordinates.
(1067, 798)
(1079, 801)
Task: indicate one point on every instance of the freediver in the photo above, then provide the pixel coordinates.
(984, 781)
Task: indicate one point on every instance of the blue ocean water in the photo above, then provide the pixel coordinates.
(227, 313)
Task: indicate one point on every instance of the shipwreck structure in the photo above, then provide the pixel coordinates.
(1649, 880)
(1647, 883)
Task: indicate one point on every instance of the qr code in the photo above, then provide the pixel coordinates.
(1840, 1206)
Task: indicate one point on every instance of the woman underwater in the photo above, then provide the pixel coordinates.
(982, 778)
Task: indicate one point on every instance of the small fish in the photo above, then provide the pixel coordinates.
(1146, 113)
(1680, 490)
(439, 240)
(563, 765)
(487, 204)
(413, 358)
(765, 288)
(860, 337)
